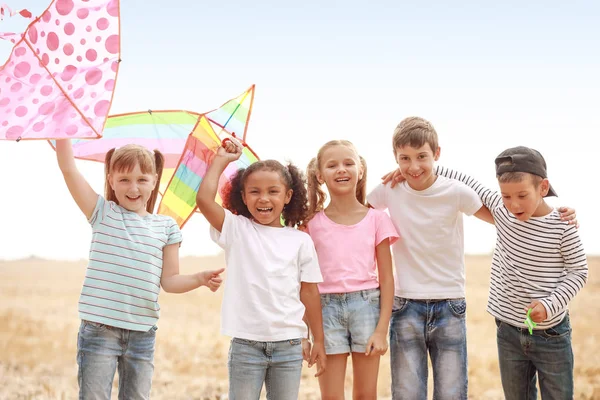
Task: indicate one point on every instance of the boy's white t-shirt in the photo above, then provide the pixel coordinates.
(265, 265)
(430, 259)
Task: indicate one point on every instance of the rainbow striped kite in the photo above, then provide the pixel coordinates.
(181, 136)
(179, 200)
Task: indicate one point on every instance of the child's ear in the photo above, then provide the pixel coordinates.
(288, 196)
(109, 178)
(544, 187)
(244, 197)
(437, 153)
(319, 177)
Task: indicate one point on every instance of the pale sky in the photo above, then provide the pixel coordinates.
(487, 75)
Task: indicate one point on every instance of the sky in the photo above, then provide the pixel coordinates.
(488, 75)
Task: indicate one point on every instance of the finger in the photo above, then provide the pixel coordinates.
(217, 271)
(320, 368)
(369, 347)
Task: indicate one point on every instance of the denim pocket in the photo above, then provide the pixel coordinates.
(89, 326)
(295, 342)
(458, 307)
(244, 341)
(400, 304)
(374, 298)
(558, 331)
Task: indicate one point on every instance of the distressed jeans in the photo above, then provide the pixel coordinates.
(437, 328)
(276, 364)
(547, 353)
(102, 349)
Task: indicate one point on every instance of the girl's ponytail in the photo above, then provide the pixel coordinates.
(109, 193)
(159, 162)
(316, 195)
(296, 211)
(361, 186)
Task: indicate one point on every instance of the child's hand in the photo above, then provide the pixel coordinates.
(211, 279)
(230, 150)
(306, 349)
(395, 177)
(377, 344)
(538, 311)
(318, 356)
(568, 214)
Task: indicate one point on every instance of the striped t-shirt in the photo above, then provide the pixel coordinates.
(539, 259)
(122, 280)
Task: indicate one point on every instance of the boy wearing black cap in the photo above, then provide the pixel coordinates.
(538, 266)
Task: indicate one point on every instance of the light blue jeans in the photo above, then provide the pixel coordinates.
(101, 349)
(276, 364)
(434, 327)
(547, 353)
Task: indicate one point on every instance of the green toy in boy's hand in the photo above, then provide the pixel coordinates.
(529, 322)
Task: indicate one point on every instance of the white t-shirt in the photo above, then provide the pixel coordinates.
(430, 259)
(265, 265)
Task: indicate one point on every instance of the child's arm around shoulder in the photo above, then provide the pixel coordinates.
(205, 198)
(81, 191)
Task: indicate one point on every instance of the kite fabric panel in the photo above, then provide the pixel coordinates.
(59, 79)
(233, 116)
(166, 131)
(179, 200)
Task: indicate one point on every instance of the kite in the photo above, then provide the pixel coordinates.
(179, 199)
(23, 13)
(59, 79)
(187, 140)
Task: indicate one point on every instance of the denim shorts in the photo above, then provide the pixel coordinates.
(349, 320)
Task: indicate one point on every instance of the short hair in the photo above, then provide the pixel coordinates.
(510, 177)
(415, 132)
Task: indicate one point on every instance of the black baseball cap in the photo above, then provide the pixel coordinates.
(523, 159)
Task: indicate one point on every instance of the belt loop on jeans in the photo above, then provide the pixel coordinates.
(364, 294)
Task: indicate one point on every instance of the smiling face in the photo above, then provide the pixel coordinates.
(340, 169)
(265, 194)
(132, 188)
(525, 198)
(416, 165)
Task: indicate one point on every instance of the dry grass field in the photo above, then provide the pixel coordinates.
(38, 330)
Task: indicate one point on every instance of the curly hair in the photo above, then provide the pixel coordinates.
(316, 194)
(294, 213)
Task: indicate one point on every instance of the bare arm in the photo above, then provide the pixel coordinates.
(205, 198)
(310, 297)
(81, 191)
(172, 282)
(386, 285)
(485, 215)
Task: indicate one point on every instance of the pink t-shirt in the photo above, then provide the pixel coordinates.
(347, 252)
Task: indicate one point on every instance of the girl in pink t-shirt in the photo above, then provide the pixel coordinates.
(353, 247)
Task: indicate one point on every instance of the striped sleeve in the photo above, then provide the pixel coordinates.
(173, 232)
(490, 198)
(576, 268)
(99, 212)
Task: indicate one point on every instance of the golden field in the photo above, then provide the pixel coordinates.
(38, 333)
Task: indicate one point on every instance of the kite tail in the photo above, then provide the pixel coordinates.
(23, 13)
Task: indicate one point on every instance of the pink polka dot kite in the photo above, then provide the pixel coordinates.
(59, 79)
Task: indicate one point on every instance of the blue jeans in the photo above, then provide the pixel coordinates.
(276, 364)
(437, 327)
(101, 349)
(547, 352)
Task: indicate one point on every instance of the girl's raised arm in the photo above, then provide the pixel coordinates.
(83, 194)
(205, 198)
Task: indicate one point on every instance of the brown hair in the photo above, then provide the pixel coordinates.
(294, 213)
(125, 159)
(316, 195)
(415, 132)
(509, 177)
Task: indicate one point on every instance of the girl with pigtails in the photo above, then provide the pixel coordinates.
(353, 246)
(272, 274)
(133, 253)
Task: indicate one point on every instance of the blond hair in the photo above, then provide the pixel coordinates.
(124, 159)
(415, 132)
(316, 194)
